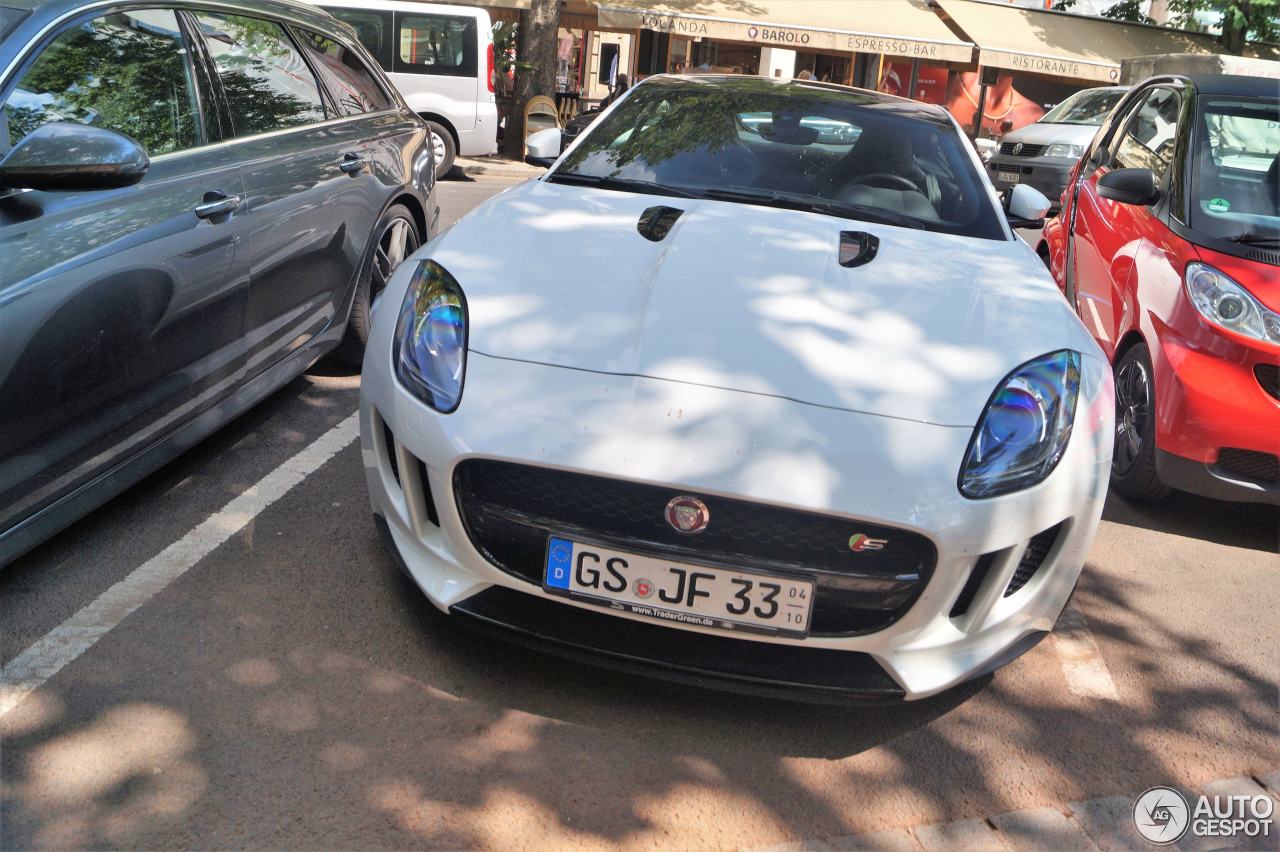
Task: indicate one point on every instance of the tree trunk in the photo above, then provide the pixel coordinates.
(536, 73)
(1234, 35)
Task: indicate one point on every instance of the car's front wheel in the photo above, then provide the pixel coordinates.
(1133, 465)
(396, 237)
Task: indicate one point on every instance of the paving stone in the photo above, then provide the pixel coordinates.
(1042, 828)
(959, 836)
(1108, 822)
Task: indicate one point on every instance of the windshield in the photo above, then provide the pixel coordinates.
(754, 141)
(1235, 180)
(1091, 107)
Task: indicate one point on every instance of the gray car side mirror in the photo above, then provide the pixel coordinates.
(66, 156)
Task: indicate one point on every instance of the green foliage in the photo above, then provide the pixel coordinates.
(1127, 10)
(1259, 20)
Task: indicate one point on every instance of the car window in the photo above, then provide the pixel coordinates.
(436, 44)
(789, 145)
(1235, 178)
(126, 71)
(267, 84)
(373, 29)
(10, 18)
(1091, 107)
(1149, 137)
(345, 75)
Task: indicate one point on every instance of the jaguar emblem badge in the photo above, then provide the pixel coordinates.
(688, 514)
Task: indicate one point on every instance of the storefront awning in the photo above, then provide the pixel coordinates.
(1058, 44)
(905, 28)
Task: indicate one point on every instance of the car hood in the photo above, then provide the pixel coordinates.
(1047, 134)
(753, 299)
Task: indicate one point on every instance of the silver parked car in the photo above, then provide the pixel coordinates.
(1042, 154)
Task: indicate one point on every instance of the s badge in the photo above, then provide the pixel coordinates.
(859, 542)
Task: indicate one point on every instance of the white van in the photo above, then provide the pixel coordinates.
(441, 59)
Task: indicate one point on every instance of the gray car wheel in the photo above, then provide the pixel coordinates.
(396, 238)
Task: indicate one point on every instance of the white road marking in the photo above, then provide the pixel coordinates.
(1082, 664)
(29, 670)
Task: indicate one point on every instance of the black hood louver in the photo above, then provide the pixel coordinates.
(857, 248)
(656, 222)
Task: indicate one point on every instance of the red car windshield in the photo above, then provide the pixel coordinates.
(1235, 182)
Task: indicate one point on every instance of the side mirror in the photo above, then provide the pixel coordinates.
(1129, 186)
(1027, 207)
(66, 156)
(542, 148)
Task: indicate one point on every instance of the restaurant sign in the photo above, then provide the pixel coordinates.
(794, 37)
(1052, 66)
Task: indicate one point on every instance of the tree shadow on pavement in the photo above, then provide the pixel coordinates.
(1251, 525)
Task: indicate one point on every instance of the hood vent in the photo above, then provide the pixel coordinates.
(857, 248)
(656, 222)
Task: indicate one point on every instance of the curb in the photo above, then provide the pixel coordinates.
(499, 168)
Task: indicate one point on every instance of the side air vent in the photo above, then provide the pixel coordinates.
(979, 573)
(857, 248)
(656, 222)
(1269, 377)
(1032, 558)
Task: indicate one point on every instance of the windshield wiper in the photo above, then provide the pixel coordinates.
(814, 205)
(624, 184)
(1252, 238)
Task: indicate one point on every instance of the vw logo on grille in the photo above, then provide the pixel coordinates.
(1017, 149)
(688, 514)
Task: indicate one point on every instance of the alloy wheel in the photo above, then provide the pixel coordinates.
(396, 242)
(1133, 407)
(437, 149)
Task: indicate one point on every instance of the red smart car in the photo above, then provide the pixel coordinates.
(1168, 246)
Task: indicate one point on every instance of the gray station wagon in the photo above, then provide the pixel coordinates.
(197, 201)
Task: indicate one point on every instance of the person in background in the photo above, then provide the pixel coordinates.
(619, 87)
(806, 74)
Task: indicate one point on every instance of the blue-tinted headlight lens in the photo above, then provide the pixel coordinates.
(430, 346)
(1025, 428)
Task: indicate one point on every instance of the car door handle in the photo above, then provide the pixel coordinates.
(352, 164)
(218, 204)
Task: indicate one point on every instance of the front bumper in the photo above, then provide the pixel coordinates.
(710, 441)
(1217, 424)
(1049, 175)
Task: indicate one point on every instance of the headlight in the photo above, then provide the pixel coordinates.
(1227, 305)
(1062, 149)
(1024, 430)
(430, 346)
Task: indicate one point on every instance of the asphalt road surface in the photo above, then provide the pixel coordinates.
(279, 684)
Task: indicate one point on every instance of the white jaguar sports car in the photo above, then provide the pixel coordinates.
(755, 388)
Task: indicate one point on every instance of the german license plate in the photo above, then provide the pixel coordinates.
(1009, 177)
(678, 593)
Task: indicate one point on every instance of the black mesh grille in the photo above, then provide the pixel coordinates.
(1027, 150)
(1037, 549)
(1263, 467)
(1269, 377)
(971, 586)
(509, 510)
